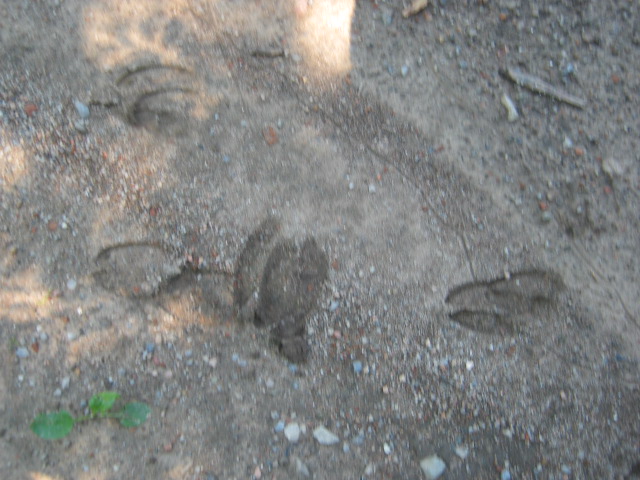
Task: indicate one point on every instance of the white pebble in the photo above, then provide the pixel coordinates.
(568, 143)
(324, 436)
(512, 112)
(372, 188)
(64, 383)
(433, 467)
(462, 451)
(72, 284)
(292, 432)
(612, 167)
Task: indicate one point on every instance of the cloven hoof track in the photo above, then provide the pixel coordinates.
(491, 306)
(134, 269)
(277, 286)
(157, 96)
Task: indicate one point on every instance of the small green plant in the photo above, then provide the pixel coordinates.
(55, 425)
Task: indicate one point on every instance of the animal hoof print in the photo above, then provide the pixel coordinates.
(278, 285)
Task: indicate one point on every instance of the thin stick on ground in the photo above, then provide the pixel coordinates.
(538, 85)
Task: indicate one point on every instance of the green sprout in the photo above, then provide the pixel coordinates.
(55, 425)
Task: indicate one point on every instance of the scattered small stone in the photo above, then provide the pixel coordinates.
(270, 135)
(57, 392)
(387, 448)
(72, 283)
(612, 167)
(505, 475)
(324, 436)
(404, 70)
(292, 432)
(301, 469)
(64, 383)
(568, 143)
(357, 366)
(433, 467)
(372, 188)
(279, 426)
(269, 383)
(235, 358)
(81, 108)
(333, 306)
(22, 352)
(462, 451)
(81, 126)
(512, 112)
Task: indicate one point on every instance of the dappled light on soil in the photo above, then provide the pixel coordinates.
(323, 32)
(114, 32)
(13, 164)
(22, 296)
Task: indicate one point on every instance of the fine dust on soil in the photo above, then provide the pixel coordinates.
(480, 301)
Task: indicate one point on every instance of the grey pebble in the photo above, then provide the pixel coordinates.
(432, 466)
(324, 436)
(279, 426)
(22, 352)
(301, 469)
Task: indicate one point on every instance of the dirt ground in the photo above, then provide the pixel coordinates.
(451, 282)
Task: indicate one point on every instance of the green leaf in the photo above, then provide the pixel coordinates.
(134, 414)
(102, 402)
(53, 426)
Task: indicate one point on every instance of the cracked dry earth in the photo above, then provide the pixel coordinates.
(259, 215)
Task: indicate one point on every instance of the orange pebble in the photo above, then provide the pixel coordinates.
(30, 109)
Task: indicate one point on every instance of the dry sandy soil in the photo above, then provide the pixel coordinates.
(482, 281)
